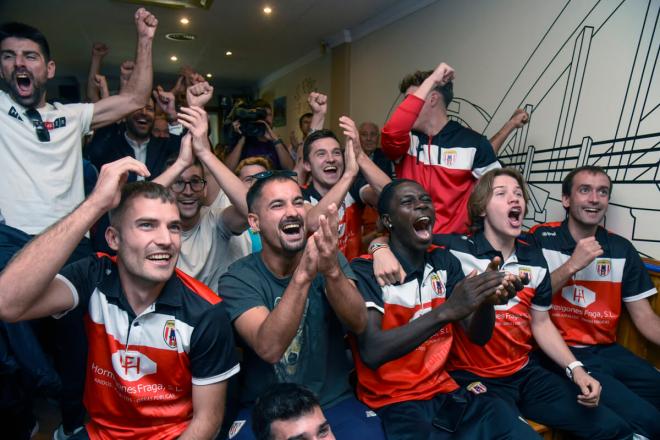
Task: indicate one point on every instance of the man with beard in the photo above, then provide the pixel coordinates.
(41, 143)
(42, 167)
(160, 344)
(137, 139)
(290, 304)
(594, 271)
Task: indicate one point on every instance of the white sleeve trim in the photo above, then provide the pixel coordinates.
(74, 294)
(541, 308)
(652, 291)
(219, 378)
(372, 305)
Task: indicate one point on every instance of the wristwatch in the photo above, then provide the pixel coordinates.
(572, 366)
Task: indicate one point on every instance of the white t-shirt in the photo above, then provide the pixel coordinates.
(204, 248)
(41, 182)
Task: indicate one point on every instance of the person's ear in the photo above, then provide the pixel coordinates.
(387, 221)
(253, 220)
(50, 69)
(112, 236)
(565, 201)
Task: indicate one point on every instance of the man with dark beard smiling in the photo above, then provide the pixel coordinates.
(290, 304)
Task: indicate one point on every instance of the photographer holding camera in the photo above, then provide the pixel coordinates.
(253, 125)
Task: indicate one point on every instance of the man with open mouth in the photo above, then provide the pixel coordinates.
(594, 272)
(291, 303)
(349, 179)
(160, 343)
(401, 357)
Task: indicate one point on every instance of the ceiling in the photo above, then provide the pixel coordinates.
(260, 44)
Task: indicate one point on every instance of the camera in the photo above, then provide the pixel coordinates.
(251, 120)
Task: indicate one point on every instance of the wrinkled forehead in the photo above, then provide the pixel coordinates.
(328, 144)
(145, 207)
(595, 179)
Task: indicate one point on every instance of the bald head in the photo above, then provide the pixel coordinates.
(369, 136)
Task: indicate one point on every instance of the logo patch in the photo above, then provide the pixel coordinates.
(524, 271)
(603, 266)
(477, 388)
(235, 428)
(578, 295)
(449, 157)
(132, 365)
(169, 333)
(437, 285)
(14, 114)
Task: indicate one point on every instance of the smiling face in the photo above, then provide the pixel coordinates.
(505, 209)
(589, 199)
(188, 200)
(411, 216)
(147, 240)
(325, 164)
(25, 71)
(140, 123)
(279, 217)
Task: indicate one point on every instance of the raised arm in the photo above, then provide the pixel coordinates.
(548, 337)
(585, 252)
(374, 176)
(318, 102)
(136, 92)
(341, 292)
(99, 51)
(28, 286)
(517, 120)
(196, 121)
(269, 333)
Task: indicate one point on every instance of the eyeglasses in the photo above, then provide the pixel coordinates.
(42, 132)
(196, 185)
(270, 173)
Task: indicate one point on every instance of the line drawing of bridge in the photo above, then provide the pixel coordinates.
(617, 128)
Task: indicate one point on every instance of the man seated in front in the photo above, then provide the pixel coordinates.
(160, 345)
(401, 356)
(291, 303)
(594, 272)
(289, 411)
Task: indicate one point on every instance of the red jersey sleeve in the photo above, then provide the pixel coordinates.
(395, 137)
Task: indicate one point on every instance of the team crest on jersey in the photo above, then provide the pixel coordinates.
(449, 157)
(477, 388)
(603, 266)
(437, 285)
(14, 114)
(169, 333)
(524, 271)
(235, 428)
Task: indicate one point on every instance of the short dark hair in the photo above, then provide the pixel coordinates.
(27, 32)
(567, 183)
(315, 136)
(303, 116)
(130, 191)
(254, 193)
(418, 77)
(282, 401)
(483, 192)
(385, 198)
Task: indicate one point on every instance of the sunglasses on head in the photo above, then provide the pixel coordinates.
(266, 174)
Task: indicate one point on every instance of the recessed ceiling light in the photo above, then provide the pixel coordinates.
(268, 10)
(184, 20)
(174, 58)
(229, 53)
(208, 75)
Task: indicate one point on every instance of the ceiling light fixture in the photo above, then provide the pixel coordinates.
(268, 10)
(208, 75)
(229, 53)
(184, 20)
(174, 58)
